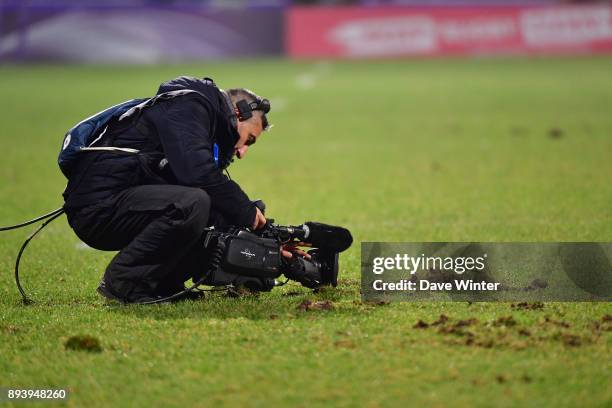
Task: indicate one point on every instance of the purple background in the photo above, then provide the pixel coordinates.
(138, 32)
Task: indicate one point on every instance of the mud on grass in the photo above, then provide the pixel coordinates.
(506, 331)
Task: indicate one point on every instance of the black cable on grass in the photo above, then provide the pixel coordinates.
(42, 217)
(194, 288)
(53, 215)
(215, 289)
(282, 283)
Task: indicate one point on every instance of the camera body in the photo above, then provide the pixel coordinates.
(240, 255)
(251, 255)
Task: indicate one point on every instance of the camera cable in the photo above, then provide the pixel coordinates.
(49, 218)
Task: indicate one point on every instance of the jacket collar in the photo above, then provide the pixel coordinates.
(229, 122)
(233, 119)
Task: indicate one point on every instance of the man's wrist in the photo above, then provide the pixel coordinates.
(251, 216)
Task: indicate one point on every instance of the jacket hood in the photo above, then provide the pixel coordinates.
(226, 133)
(205, 86)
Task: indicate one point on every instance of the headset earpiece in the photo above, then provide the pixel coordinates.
(243, 110)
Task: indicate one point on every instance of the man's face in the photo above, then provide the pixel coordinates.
(249, 131)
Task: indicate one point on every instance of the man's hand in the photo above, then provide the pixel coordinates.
(287, 251)
(260, 220)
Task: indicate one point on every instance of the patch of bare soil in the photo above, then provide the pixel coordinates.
(309, 305)
(83, 343)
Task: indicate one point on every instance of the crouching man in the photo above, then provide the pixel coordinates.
(152, 181)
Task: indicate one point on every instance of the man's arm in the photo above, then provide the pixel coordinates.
(184, 125)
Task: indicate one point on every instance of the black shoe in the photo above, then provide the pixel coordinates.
(107, 292)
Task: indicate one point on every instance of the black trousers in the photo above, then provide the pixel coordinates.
(157, 230)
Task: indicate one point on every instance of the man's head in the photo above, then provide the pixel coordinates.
(250, 128)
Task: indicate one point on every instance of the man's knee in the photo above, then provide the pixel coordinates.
(195, 207)
(200, 201)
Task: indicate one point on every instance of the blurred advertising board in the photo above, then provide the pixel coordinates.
(396, 31)
(138, 31)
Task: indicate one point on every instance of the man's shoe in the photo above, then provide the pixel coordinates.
(106, 291)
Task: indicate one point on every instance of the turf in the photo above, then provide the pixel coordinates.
(437, 150)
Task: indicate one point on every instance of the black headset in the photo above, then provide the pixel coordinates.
(244, 109)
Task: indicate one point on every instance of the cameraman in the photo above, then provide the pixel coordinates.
(153, 206)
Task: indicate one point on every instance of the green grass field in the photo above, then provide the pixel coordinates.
(438, 150)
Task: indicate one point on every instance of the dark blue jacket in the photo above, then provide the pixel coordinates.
(181, 130)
